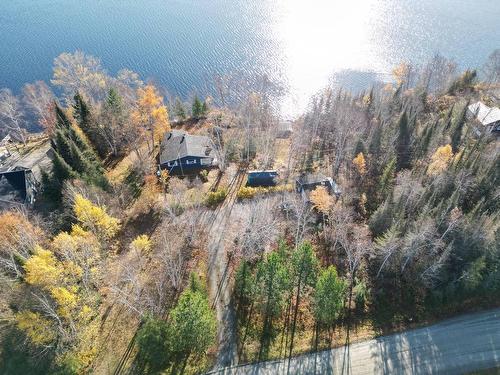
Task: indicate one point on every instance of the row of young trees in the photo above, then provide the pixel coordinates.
(273, 290)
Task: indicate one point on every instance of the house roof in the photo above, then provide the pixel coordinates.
(311, 178)
(484, 114)
(285, 126)
(178, 144)
(13, 185)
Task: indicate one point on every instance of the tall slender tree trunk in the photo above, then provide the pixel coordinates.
(297, 301)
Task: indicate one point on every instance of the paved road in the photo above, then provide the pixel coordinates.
(456, 346)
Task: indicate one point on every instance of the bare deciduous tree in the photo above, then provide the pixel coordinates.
(80, 72)
(39, 99)
(12, 116)
(258, 227)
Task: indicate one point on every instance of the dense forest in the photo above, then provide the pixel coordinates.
(122, 268)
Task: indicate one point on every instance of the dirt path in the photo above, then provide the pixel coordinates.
(219, 277)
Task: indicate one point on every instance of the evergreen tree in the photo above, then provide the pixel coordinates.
(63, 147)
(244, 286)
(114, 129)
(387, 179)
(456, 137)
(193, 325)
(403, 152)
(304, 272)
(179, 110)
(153, 343)
(61, 118)
(82, 114)
(426, 139)
(197, 108)
(329, 296)
(273, 285)
(204, 108)
(61, 170)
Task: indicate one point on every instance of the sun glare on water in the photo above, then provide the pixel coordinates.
(322, 37)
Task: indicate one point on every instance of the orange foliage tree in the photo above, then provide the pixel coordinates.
(150, 114)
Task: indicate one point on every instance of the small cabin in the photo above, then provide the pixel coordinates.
(262, 178)
(488, 119)
(183, 154)
(309, 181)
(18, 187)
(284, 130)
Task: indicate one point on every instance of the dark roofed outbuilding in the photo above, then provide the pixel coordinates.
(262, 178)
(17, 187)
(183, 153)
(310, 181)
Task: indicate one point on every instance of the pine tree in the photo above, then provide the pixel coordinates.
(63, 147)
(82, 114)
(376, 141)
(61, 170)
(304, 270)
(204, 108)
(403, 152)
(426, 139)
(197, 108)
(387, 179)
(273, 285)
(193, 325)
(456, 137)
(329, 296)
(61, 118)
(179, 110)
(153, 342)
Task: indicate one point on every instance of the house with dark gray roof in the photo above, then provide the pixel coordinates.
(182, 153)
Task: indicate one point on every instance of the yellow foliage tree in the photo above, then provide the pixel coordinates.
(440, 160)
(38, 329)
(95, 218)
(400, 73)
(321, 199)
(66, 300)
(360, 164)
(42, 269)
(150, 114)
(141, 244)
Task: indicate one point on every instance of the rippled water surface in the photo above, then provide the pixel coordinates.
(182, 44)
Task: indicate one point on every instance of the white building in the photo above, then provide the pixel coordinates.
(488, 118)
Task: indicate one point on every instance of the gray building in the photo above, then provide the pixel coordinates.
(182, 153)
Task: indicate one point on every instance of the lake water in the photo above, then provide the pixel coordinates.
(298, 45)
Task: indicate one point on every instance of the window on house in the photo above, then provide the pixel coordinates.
(172, 164)
(189, 162)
